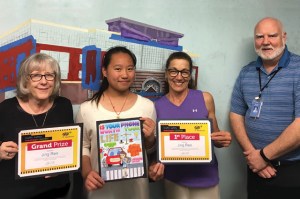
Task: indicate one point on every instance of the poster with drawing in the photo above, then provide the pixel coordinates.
(121, 149)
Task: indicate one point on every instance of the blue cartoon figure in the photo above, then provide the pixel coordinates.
(124, 162)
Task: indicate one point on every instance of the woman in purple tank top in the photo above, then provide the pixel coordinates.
(182, 101)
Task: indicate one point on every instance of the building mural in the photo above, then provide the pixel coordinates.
(80, 51)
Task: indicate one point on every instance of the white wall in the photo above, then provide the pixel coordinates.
(219, 31)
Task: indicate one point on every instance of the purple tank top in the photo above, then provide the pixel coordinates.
(193, 175)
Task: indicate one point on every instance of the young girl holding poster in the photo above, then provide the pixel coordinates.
(115, 101)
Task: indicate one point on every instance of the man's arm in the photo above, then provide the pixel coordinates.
(238, 126)
(286, 142)
(253, 158)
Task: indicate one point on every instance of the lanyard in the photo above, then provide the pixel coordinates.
(262, 88)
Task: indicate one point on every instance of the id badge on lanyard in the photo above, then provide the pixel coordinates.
(257, 101)
(256, 107)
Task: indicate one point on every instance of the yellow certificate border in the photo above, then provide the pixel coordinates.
(198, 128)
(60, 134)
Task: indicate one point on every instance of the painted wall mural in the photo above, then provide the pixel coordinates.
(80, 51)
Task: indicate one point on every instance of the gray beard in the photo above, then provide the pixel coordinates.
(276, 53)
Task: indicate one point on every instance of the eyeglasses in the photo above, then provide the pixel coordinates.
(174, 73)
(38, 77)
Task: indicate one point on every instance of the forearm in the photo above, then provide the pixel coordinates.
(149, 133)
(86, 166)
(286, 142)
(0, 151)
(150, 145)
(239, 130)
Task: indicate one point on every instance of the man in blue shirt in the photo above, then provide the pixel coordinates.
(265, 115)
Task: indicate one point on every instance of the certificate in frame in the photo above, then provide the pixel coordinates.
(121, 149)
(49, 150)
(184, 141)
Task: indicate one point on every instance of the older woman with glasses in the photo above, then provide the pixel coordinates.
(36, 105)
(182, 101)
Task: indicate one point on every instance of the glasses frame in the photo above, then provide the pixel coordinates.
(51, 75)
(179, 71)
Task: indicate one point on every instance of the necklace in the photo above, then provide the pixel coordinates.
(34, 118)
(118, 113)
(43, 121)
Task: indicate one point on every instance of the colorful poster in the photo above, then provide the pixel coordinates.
(47, 151)
(184, 141)
(121, 149)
